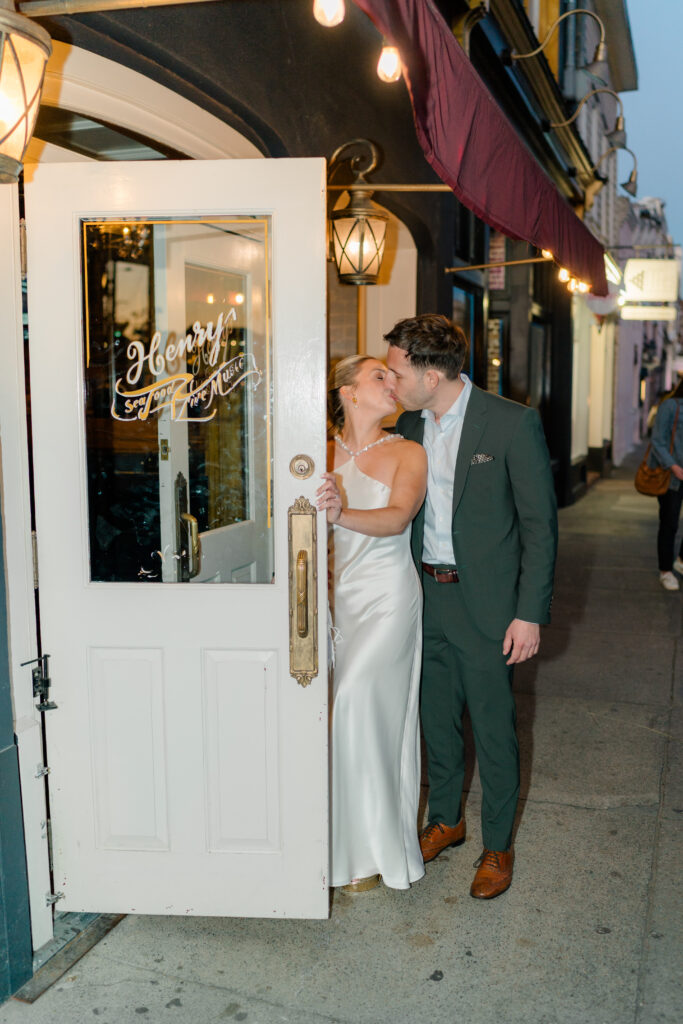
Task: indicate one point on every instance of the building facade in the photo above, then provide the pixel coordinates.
(147, 85)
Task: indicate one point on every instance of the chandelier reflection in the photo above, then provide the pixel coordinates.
(128, 241)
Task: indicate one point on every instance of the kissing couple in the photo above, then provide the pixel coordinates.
(443, 539)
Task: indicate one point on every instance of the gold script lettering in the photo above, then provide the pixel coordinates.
(180, 392)
(179, 389)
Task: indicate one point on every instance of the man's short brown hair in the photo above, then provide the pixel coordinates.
(431, 340)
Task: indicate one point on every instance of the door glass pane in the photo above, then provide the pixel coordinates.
(178, 400)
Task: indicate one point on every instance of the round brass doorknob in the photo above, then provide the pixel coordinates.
(302, 467)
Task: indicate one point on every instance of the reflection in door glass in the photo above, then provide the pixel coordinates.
(178, 400)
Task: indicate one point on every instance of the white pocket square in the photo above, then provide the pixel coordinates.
(480, 457)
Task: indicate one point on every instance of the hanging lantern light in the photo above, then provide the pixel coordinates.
(24, 51)
(358, 234)
(359, 228)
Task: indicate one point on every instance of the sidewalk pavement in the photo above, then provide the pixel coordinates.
(589, 933)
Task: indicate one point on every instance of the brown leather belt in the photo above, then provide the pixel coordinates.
(441, 575)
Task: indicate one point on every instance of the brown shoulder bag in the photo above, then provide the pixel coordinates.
(655, 481)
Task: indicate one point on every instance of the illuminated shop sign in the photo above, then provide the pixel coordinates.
(650, 280)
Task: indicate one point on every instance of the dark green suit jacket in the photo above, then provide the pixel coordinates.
(504, 512)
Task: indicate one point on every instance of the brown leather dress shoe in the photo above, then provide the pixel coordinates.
(494, 874)
(436, 837)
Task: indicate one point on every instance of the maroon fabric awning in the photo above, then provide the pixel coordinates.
(473, 147)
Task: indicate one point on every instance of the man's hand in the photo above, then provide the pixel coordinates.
(522, 640)
(677, 472)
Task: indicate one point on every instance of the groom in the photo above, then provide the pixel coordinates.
(485, 541)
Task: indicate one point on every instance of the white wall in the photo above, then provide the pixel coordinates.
(601, 384)
(394, 296)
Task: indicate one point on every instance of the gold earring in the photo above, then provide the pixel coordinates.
(354, 400)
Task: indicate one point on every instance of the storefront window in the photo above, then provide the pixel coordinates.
(463, 316)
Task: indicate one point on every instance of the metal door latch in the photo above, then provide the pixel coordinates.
(41, 682)
(52, 897)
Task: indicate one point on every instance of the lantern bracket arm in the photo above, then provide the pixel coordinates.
(593, 92)
(567, 14)
(362, 163)
(382, 187)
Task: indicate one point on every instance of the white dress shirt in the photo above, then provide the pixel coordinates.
(441, 442)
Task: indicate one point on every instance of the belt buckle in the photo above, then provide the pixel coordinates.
(442, 575)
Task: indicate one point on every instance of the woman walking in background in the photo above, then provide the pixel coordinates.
(667, 451)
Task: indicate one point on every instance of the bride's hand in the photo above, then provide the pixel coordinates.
(329, 498)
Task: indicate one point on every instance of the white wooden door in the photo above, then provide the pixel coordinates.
(188, 765)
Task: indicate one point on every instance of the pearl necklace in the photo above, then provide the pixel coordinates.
(354, 455)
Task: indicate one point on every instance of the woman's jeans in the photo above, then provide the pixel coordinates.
(669, 511)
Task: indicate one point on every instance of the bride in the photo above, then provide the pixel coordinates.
(374, 487)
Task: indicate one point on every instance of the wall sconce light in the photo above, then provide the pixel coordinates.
(597, 67)
(329, 12)
(617, 137)
(389, 64)
(359, 228)
(24, 52)
(630, 186)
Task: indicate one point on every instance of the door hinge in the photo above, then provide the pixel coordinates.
(41, 682)
(41, 771)
(52, 897)
(34, 548)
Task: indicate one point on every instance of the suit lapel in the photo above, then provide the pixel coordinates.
(413, 429)
(472, 429)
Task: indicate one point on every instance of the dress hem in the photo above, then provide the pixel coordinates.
(389, 885)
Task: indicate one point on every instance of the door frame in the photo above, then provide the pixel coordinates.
(88, 84)
(20, 731)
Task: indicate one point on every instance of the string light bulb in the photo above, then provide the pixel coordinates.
(583, 287)
(563, 274)
(389, 64)
(329, 12)
(546, 254)
(573, 284)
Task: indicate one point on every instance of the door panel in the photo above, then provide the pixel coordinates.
(177, 336)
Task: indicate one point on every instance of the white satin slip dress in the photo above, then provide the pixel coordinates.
(376, 602)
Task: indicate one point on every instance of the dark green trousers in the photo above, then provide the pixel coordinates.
(463, 667)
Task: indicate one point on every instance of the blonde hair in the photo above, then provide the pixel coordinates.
(343, 374)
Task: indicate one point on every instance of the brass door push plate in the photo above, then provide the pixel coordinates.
(303, 591)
